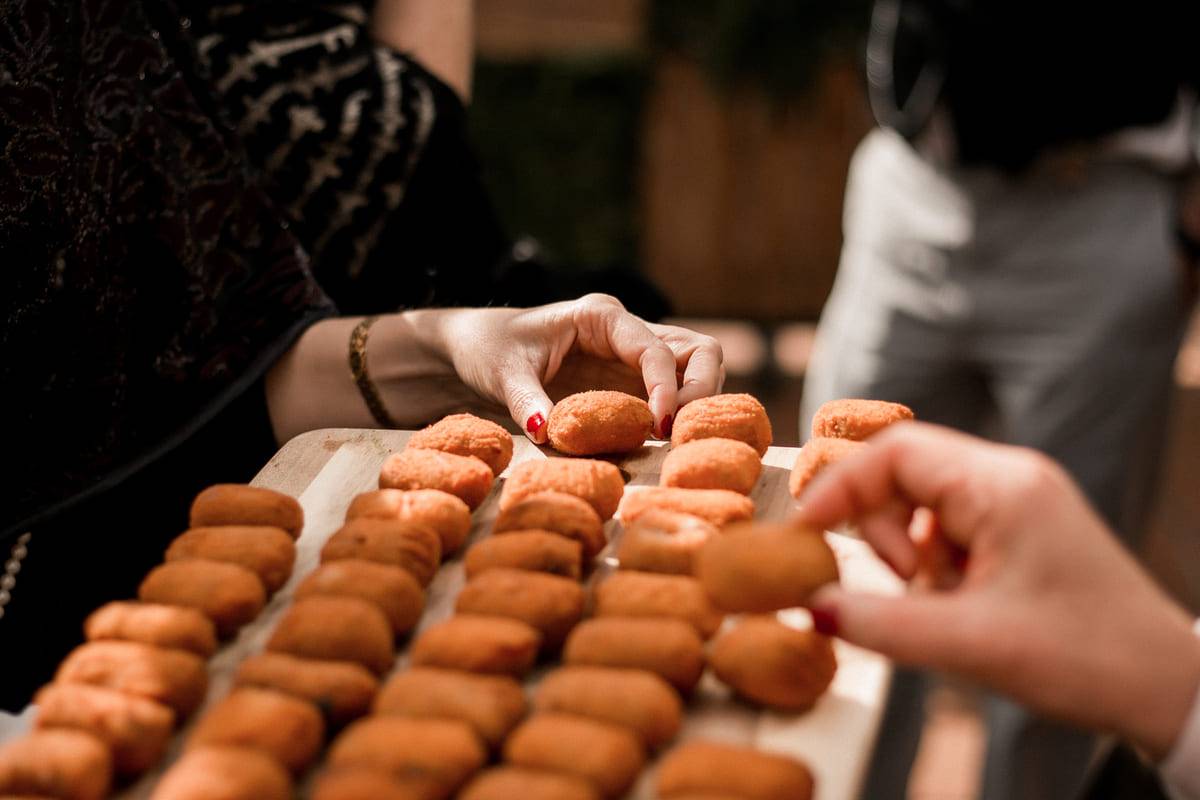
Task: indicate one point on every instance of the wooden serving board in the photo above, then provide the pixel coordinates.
(326, 469)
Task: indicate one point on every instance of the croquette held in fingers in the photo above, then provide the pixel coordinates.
(342, 690)
(718, 506)
(557, 512)
(465, 477)
(135, 729)
(667, 647)
(771, 664)
(727, 416)
(701, 767)
(663, 541)
(467, 435)
(759, 567)
(633, 698)
(267, 552)
(597, 482)
(228, 594)
(491, 704)
(857, 419)
(284, 727)
(629, 593)
(474, 643)
(175, 678)
(153, 623)
(591, 423)
(228, 773)
(238, 504)
(335, 629)
(63, 764)
(549, 603)
(712, 464)
(447, 515)
(536, 551)
(815, 456)
(393, 590)
(607, 756)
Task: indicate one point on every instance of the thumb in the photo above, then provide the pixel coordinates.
(527, 402)
(922, 630)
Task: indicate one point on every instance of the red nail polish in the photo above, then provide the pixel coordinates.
(535, 424)
(825, 621)
(665, 427)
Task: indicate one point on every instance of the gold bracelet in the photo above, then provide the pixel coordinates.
(362, 378)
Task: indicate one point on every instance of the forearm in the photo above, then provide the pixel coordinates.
(437, 33)
(312, 385)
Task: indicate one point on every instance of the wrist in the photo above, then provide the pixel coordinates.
(1172, 684)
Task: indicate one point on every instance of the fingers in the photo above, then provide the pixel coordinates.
(887, 530)
(527, 401)
(703, 369)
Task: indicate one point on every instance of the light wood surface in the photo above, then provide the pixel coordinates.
(326, 469)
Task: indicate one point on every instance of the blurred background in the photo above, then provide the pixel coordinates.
(704, 145)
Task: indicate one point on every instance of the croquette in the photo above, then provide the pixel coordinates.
(478, 644)
(759, 567)
(857, 419)
(667, 647)
(725, 416)
(64, 764)
(342, 690)
(536, 551)
(465, 477)
(491, 704)
(176, 678)
(335, 629)
(605, 755)
(663, 541)
(238, 504)
(815, 456)
(228, 773)
(446, 750)
(265, 551)
(228, 594)
(135, 729)
(467, 435)
(633, 698)
(718, 506)
(446, 514)
(768, 663)
(590, 423)
(510, 783)
(549, 603)
(703, 767)
(597, 482)
(557, 512)
(288, 729)
(361, 783)
(629, 593)
(153, 623)
(408, 545)
(393, 590)
(712, 464)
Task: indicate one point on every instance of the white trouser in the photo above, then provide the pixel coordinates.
(1043, 310)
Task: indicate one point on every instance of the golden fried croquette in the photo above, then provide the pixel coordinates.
(135, 729)
(605, 755)
(335, 629)
(857, 419)
(727, 416)
(764, 566)
(228, 773)
(714, 463)
(629, 593)
(491, 704)
(153, 623)
(773, 665)
(816, 455)
(633, 698)
(551, 604)
(361, 783)
(590, 423)
(465, 477)
(265, 551)
(536, 551)
(175, 678)
(342, 690)
(597, 482)
(703, 767)
(718, 506)
(408, 545)
(474, 643)
(663, 541)
(510, 783)
(64, 764)
(557, 512)
(238, 504)
(446, 514)
(286, 728)
(667, 647)
(228, 594)
(393, 590)
(446, 750)
(467, 435)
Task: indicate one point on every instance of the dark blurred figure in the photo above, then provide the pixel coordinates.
(1016, 264)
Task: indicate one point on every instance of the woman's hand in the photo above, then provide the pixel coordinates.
(1050, 609)
(511, 356)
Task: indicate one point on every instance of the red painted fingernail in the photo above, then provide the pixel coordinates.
(535, 424)
(825, 621)
(665, 427)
